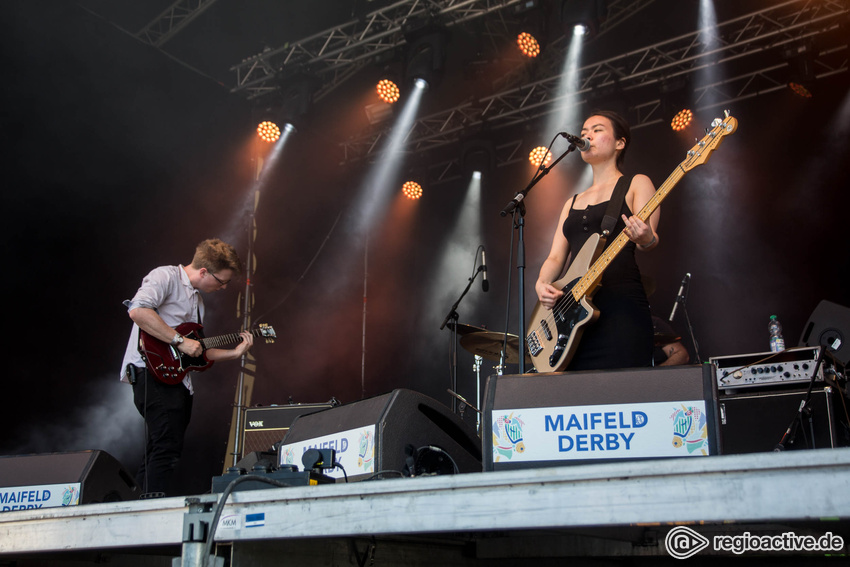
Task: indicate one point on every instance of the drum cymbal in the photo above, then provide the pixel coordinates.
(465, 329)
(488, 344)
(662, 339)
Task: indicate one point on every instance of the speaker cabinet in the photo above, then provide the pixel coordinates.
(63, 479)
(552, 419)
(267, 426)
(384, 435)
(829, 325)
(755, 423)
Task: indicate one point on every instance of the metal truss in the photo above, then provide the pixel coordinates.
(733, 44)
(172, 20)
(339, 52)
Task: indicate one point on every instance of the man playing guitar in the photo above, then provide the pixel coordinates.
(168, 297)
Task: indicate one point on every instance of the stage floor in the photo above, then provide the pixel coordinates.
(619, 511)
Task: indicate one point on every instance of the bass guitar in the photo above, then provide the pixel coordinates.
(554, 335)
(169, 365)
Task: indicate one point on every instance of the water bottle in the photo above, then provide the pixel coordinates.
(774, 327)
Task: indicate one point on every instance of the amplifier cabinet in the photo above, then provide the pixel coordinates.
(538, 420)
(756, 422)
(267, 426)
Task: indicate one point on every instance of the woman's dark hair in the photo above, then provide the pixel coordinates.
(621, 131)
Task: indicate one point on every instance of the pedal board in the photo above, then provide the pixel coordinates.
(790, 366)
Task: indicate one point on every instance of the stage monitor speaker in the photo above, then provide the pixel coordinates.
(63, 479)
(388, 434)
(828, 323)
(265, 427)
(755, 423)
(552, 419)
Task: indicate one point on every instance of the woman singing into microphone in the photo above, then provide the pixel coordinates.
(622, 337)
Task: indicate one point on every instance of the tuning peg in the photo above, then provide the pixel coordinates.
(727, 113)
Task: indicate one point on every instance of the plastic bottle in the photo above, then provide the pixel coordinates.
(774, 327)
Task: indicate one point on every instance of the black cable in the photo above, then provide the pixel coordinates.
(224, 496)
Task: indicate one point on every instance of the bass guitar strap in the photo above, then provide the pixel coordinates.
(615, 205)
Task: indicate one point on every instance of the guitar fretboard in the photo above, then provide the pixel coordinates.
(697, 156)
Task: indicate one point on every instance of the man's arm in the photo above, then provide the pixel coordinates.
(150, 322)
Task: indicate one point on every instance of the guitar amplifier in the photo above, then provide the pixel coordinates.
(267, 426)
(790, 366)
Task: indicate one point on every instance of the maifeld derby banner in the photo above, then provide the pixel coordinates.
(41, 496)
(355, 451)
(620, 431)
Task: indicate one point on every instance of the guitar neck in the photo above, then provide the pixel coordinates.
(594, 275)
(228, 339)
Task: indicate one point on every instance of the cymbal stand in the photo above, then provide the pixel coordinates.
(476, 367)
(453, 317)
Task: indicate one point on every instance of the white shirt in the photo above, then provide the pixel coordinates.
(168, 291)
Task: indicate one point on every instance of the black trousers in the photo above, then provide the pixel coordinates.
(166, 410)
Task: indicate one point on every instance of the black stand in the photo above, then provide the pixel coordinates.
(516, 205)
(453, 318)
(682, 300)
(804, 410)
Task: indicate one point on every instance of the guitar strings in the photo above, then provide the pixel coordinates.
(568, 301)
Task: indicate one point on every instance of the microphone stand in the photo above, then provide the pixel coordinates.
(804, 410)
(516, 207)
(453, 317)
(682, 299)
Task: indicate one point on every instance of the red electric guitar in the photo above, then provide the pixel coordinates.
(170, 366)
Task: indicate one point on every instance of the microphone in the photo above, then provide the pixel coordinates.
(485, 285)
(680, 297)
(581, 144)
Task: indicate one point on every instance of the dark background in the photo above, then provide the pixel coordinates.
(119, 157)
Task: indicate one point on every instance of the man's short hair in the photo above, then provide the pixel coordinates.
(216, 256)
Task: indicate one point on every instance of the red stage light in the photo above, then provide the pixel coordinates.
(682, 119)
(388, 91)
(800, 90)
(268, 131)
(528, 44)
(540, 155)
(412, 190)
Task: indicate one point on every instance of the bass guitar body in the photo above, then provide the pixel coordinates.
(555, 334)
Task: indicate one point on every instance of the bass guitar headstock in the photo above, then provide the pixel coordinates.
(720, 128)
(265, 331)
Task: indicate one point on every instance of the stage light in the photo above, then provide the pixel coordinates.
(682, 120)
(421, 83)
(425, 56)
(411, 190)
(582, 18)
(268, 131)
(528, 45)
(388, 91)
(800, 90)
(540, 156)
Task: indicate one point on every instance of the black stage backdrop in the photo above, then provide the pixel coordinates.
(118, 159)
